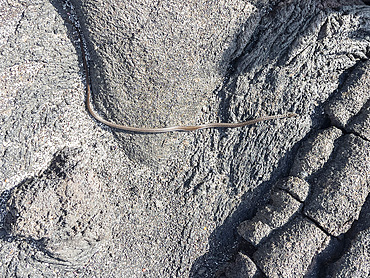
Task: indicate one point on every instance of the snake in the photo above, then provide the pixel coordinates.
(160, 129)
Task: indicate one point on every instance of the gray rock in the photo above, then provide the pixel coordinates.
(243, 267)
(71, 237)
(360, 124)
(291, 250)
(41, 94)
(297, 187)
(10, 17)
(355, 262)
(163, 63)
(340, 191)
(170, 203)
(285, 204)
(315, 152)
(351, 97)
(353, 258)
(282, 208)
(164, 216)
(254, 231)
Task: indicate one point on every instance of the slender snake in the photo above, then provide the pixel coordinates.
(163, 129)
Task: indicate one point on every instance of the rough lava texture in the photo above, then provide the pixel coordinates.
(163, 64)
(354, 262)
(316, 151)
(271, 217)
(281, 198)
(289, 252)
(341, 189)
(242, 267)
(66, 186)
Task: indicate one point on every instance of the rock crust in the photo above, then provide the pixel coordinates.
(287, 197)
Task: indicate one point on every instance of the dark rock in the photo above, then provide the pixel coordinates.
(351, 97)
(360, 124)
(291, 250)
(283, 207)
(340, 191)
(243, 267)
(315, 152)
(297, 187)
(355, 262)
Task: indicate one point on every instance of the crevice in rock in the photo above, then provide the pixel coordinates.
(325, 264)
(247, 248)
(353, 119)
(4, 198)
(334, 246)
(317, 224)
(19, 22)
(345, 132)
(291, 195)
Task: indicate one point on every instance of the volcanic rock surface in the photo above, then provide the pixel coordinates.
(280, 198)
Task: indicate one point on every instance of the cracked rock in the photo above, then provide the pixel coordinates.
(340, 191)
(283, 207)
(290, 251)
(356, 261)
(297, 187)
(360, 124)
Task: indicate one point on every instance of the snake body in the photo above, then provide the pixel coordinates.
(162, 129)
